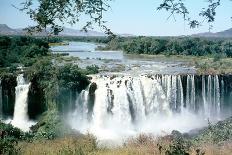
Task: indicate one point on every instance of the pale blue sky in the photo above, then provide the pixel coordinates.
(137, 17)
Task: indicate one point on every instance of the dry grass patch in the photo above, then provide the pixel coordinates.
(140, 145)
(60, 146)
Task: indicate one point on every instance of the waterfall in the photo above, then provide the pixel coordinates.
(217, 96)
(205, 105)
(20, 118)
(174, 92)
(193, 93)
(211, 96)
(188, 95)
(181, 94)
(125, 105)
(222, 91)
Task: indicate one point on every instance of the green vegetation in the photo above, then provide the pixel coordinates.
(207, 55)
(53, 89)
(55, 80)
(172, 46)
(9, 136)
(23, 50)
(215, 134)
(212, 140)
(217, 48)
(103, 40)
(70, 145)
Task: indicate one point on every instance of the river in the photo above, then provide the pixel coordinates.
(136, 94)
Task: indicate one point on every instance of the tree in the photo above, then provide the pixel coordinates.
(48, 13)
(227, 48)
(178, 7)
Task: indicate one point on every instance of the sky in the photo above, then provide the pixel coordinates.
(137, 17)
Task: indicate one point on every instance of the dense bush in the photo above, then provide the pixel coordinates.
(170, 46)
(178, 46)
(9, 136)
(59, 84)
(87, 39)
(217, 133)
(93, 69)
(50, 126)
(22, 50)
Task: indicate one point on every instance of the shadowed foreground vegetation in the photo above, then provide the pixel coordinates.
(212, 140)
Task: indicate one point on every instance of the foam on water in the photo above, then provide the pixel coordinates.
(125, 106)
(20, 118)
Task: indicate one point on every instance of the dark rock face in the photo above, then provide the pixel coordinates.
(92, 88)
(91, 98)
(8, 94)
(36, 100)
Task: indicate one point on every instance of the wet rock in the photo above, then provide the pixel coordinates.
(92, 88)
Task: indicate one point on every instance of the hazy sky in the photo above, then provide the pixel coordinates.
(138, 17)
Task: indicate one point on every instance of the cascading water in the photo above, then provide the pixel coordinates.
(123, 106)
(211, 91)
(20, 118)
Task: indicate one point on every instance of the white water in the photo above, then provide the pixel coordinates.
(125, 106)
(20, 118)
(211, 96)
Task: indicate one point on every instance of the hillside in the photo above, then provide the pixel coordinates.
(6, 30)
(222, 34)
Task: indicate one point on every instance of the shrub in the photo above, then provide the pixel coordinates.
(93, 69)
(9, 137)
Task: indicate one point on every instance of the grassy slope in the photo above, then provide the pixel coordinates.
(213, 140)
(87, 145)
(203, 64)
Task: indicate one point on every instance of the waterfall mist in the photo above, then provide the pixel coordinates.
(125, 106)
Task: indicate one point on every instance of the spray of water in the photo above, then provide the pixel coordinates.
(20, 118)
(125, 106)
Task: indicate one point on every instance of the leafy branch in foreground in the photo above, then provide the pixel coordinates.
(52, 13)
(178, 7)
(49, 13)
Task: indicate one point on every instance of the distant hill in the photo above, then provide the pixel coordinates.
(74, 32)
(6, 30)
(222, 34)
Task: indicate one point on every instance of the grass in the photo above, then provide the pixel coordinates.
(58, 44)
(60, 146)
(203, 64)
(87, 145)
(209, 66)
(213, 149)
(141, 145)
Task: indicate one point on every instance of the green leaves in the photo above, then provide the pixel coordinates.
(178, 46)
(47, 13)
(9, 136)
(177, 7)
(217, 133)
(22, 50)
